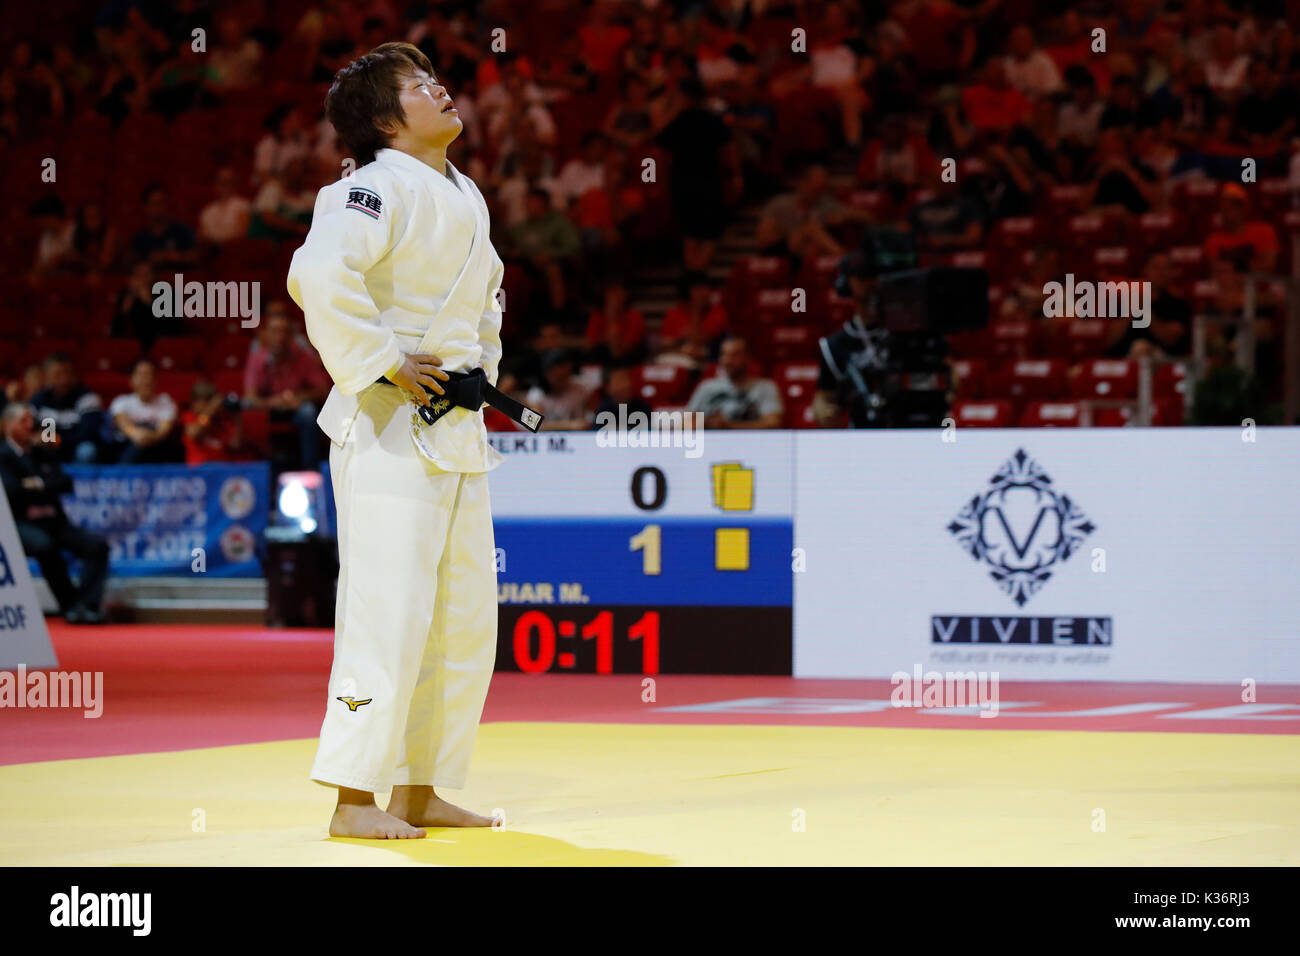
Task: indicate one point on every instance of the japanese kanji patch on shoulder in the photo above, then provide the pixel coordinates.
(365, 200)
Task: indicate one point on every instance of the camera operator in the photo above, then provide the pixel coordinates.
(887, 368)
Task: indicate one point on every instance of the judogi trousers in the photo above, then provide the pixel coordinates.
(416, 618)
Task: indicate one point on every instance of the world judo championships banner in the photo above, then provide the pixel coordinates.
(24, 639)
(175, 519)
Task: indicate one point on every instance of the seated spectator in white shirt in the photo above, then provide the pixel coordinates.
(145, 420)
(1028, 68)
(585, 172)
(734, 399)
(228, 215)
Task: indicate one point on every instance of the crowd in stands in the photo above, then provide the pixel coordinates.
(609, 135)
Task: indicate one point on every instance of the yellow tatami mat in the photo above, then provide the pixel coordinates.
(600, 794)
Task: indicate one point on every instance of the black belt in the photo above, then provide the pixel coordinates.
(472, 390)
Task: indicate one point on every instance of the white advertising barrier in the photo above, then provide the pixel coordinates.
(24, 638)
(1106, 554)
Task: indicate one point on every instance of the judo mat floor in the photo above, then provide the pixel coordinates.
(201, 753)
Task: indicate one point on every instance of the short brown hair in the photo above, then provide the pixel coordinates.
(364, 97)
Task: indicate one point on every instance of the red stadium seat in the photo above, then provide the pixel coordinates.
(785, 343)
(228, 352)
(1081, 339)
(177, 385)
(1050, 415)
(996, 414)
(1113, 416)
(107, 385)
(763, 272)
(1065, 201)
(1032, 380)
(112, 355)
(817, 274)
(798, 384)
(662, 384)
(229, 381)
(772, 306)
(1157, 232)
(1105, 378)
(1170, 381)
(38, 350)
(1188, 262)
(1197, 199)
(1011, 339)
(178, 353)
(1113, 261)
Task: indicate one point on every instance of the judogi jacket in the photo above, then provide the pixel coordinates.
(399, 259)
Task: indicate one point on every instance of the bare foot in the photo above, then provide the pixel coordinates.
(370, 823)
(421, 807)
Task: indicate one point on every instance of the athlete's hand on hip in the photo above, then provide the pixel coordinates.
(418, 369)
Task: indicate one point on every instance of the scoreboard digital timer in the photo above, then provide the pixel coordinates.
(644, 560)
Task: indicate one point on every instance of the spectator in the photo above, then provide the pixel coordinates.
(603, 39)
(1121, 105)
(236, 61)
(628, 121)
(144, 419)
(283, 376)
(1170, 332)
(77, 412)
(33, 481)
(618, 391)
(227, 216)
(94, 241)
(23, 388)
(992, 105)
(1250, 245)
(1028, 68)
(212, 427)
(582, 172)
(735, 399)
(1079, 118)
(1225, 70)
(947, 221)
(799, 223)
(615, 333)
(705, 169)
(55, 249)
(898, 159)
(562, 398)
(1267, 114)
(286, 138)
(1036, 144)
(134, 316)
(692, 326)
(545, 242)
(283, 206)
(1121, 182)
(164, 243)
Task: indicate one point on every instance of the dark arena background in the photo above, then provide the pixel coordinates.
(918, 479)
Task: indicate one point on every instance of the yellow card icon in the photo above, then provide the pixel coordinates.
(733, 487)
(731, 549)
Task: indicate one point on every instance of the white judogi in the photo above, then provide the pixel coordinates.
(399, 260)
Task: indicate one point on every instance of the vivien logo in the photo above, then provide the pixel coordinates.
(1021, 527)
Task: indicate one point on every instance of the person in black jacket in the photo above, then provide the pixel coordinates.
(33, 482)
